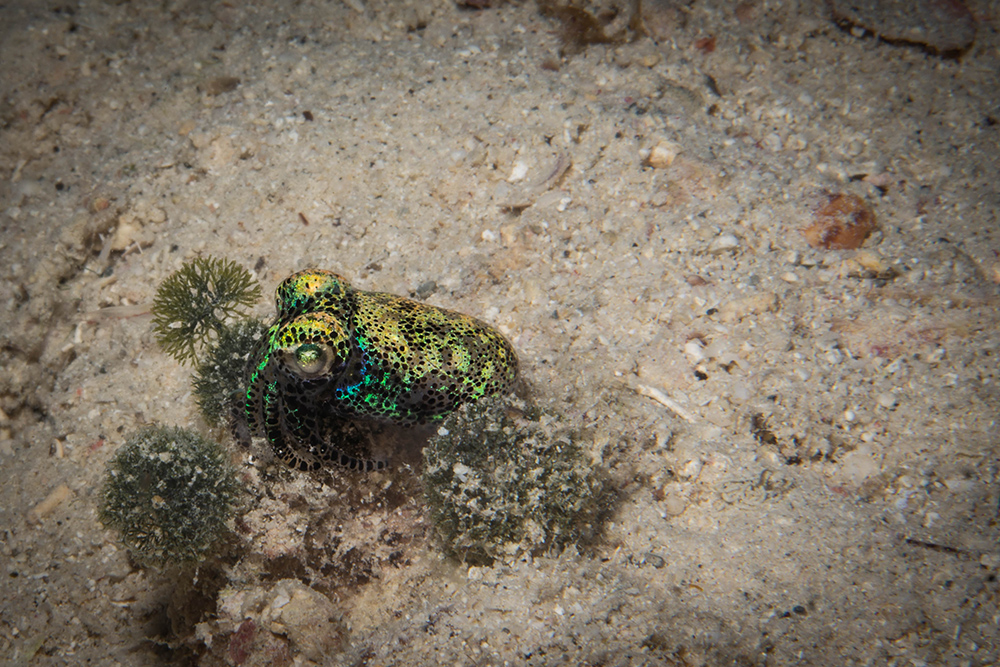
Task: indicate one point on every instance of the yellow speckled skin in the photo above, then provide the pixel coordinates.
(339, 354)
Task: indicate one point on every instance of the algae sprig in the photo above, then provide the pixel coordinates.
(192, 305)
(170, 494)
(218, 381)
(500, 485)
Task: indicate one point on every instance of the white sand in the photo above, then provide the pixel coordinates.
(862, 531)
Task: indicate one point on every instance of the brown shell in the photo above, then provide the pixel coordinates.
(843, 223)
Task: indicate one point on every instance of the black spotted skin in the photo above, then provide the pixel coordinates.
(336, 356)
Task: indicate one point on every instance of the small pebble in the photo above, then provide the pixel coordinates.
(518, 172)
(724, 243)
(663, 154)
(655, 560)
(674, 504)
(696, 281)
(826, 276)
(763, 302)
(694, 350)
(124, 234)
(859, 464)
(871, 261)
(47, 506)
(887, 401)
(959, 484)
(740, 393)
(690, 470)
(789, 277)
(220, 85)
(156, 215)
(990, 561)
(773, 142)
(808, 261)
(426, 288)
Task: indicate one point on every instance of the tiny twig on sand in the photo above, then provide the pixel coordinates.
(114, 313)
(665, 401)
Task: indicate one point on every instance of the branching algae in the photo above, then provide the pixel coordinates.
(193, 304)
(218, 379)
(502, 480)
(169, 493)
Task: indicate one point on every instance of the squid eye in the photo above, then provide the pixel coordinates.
(311, 359)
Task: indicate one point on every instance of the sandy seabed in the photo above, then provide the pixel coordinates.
(817, 483)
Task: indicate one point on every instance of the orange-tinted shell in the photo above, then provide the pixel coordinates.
(842, 224)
